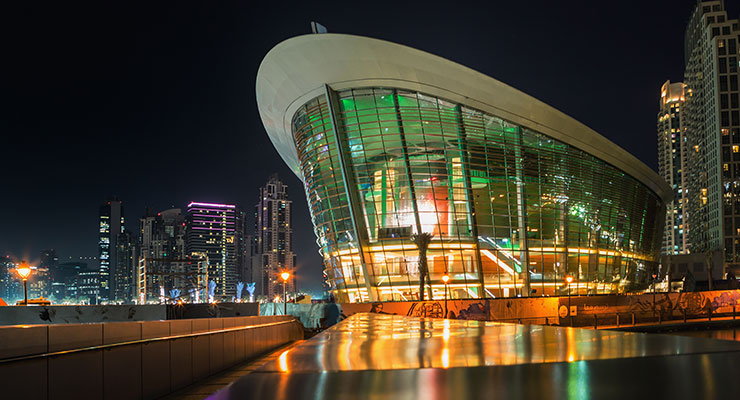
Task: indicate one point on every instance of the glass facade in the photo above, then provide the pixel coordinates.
(513, 211)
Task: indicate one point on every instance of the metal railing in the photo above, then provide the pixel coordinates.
(650, 317)
(144, 341)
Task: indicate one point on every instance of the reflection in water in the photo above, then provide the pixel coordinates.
(578, 381)
(383, 342)
(283, 360)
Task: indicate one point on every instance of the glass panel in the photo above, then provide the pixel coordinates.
(506, 204)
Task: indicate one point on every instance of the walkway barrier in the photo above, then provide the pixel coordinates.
(131, 360)
(657, 316)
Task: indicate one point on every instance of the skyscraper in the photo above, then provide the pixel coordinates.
(712, 122)
(124, 275)
(272, 250)
(217, 230)
(11, 287)
(672, 153)
(40, 281)
(162, 244)
(110, 225)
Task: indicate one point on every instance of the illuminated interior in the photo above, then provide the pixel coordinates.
(512, 211)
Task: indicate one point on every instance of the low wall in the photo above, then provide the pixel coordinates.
(575, 311)
(31, 315)
(136, 370)
(535, 310)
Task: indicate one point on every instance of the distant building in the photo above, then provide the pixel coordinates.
(111, 224)
(64, 280)
(712, 122)
(11, 287)
(124, 289)
(272, 244)
(49, 259)
(39, 283)
(89, 287)
(162, 242)
(217, 230)
(672, 152)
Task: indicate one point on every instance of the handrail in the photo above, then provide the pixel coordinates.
(659, 317)
(142, 341)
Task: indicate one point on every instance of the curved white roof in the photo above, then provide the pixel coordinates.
(295, 71)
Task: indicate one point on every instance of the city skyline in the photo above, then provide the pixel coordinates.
(197, 69)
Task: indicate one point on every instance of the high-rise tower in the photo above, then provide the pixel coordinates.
(163, 251)
(672, 153)
(273, 240)
(110, 225)
(712, 121)
(217, 231)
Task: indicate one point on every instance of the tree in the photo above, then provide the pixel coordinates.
(422, 241)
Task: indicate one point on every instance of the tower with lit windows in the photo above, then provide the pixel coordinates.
(217, 231)
(272, 250)
(711, 117)
(110, 223)
(672, 152)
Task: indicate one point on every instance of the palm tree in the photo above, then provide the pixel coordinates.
(422, 241)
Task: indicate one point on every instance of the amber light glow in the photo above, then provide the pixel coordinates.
(23, 270)
(285, 276)
(568, 279)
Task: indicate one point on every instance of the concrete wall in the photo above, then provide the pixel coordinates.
(137, 371)
(538, 310)
(32, 315)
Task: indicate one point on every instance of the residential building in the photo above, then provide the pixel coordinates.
(672, 152)
(272, 252)
(89, 287)
(163, 253)
(711, 116)
(217, 231)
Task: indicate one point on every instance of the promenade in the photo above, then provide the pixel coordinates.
(391, 356)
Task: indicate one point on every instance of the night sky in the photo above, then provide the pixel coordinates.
(154, 102)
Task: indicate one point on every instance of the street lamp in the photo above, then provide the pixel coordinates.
(445, 279)
(24, 271)
(568, 280)
(285, 276)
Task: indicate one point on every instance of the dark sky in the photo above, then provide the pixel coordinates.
(154, 102)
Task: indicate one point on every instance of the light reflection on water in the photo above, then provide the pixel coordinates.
(724, 334)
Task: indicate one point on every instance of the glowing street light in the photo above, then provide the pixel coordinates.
(285, 275)
(445, 279)
(24, 271)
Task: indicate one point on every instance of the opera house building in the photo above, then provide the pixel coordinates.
(391, 141)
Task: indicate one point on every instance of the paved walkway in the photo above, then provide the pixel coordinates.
(397, 357)
(206, 387)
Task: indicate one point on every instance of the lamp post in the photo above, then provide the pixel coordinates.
(445, 279)
(568, 280)
(285, 276)
(24, 271)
